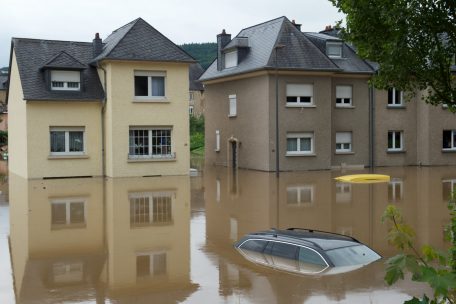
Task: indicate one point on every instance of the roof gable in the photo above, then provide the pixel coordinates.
(138, 40)
(63, 60)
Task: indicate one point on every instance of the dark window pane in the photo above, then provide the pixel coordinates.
(390, 96)
(57, 141)
(292, 144)
(310, 256)
(306, 99)
(139, 142)
(140, 85)
(76, 141)
(283, 250)
(390, 140)
(254, 245)
(446, 139)
(158, 86)
(142, 265)
(398, 97)
(339, 100)
(292, 99)
(397, 141)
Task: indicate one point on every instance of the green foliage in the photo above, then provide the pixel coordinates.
(428, 265)
(413, 41)
(204, 53)
(196, 133)
(3, 138)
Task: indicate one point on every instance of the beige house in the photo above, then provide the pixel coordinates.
(278, 98)
(112, 108)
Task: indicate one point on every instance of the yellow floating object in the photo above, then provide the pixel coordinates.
(364, 178)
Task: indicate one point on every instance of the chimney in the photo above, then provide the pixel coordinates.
(297, 25)
(328, 28)
(97, 45)
(222, 40)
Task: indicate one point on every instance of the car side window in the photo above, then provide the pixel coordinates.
(254, 245)
(310, 256)
(284, 250)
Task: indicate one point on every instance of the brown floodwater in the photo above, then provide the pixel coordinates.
(170, 239)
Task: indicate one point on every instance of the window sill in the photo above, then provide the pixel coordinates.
(396, 107)
(232, 116)
(81, 156)
(303, 154)
(152, 159)
(344, 107)
(396, 151)
(67, 226)
(151, 100)
(448, 150)
(300, 106)
(344, 153)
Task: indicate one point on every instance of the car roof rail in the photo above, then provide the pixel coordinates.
(321, 231)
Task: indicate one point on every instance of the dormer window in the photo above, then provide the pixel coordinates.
(65, 80)
(231, 59)
(334, 49)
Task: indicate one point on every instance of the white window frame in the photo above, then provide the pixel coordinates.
(65, 77)
(343, 148)
(345, 98)
(452, 143)
(150, 196)
(67, 201)
(339, 45)
(452, 183)
(401, 148)
(151, 255)
(149, 75)
(67, 131)
(68, 272)
(299, 200)
(232, 99)
(231, 59)
(217, 140)
(396, 103)
(299, 136)
(191, 95)
(392, 185)
(217, 190)
(190, 110)
(150, 155)
(343, 193)
(292, 90)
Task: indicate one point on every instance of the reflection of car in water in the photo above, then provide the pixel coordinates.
(306, 251)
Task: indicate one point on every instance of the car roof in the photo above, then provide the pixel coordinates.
(314, 238)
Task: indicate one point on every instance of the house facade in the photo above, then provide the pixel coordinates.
(196, 94)
(113, 108)
(3, 105)
(327, 115)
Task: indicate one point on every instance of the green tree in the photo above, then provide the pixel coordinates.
(204, 53)
(428, 265)
(413, 42)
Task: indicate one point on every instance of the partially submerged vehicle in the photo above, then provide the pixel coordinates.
(364, 178)
(306, 251)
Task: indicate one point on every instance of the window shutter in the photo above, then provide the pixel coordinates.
(299, 90)
(231, 59)
(66, 76)
(217, 140)
(343, 137)
(233, 105)
(343, 92)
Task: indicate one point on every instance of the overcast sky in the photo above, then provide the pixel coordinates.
(180, 20)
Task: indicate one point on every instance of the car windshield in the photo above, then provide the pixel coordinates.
(353, 255)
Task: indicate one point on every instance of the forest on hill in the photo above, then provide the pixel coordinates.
(205, 52)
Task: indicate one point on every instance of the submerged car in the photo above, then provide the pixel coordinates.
(306, 251)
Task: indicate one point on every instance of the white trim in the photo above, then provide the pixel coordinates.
(232, 105)
(299, 136)
(344, 93)
(149, 75)
(395, 103)
(67, 201)
(299, 91)
(217, 140)
(67, 131)
(231, 59)
(343, 139)
(401, 148)
(339, 46)
(452, 141)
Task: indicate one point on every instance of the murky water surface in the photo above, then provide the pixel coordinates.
(169, 239)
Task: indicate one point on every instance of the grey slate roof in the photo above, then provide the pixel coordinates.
(33, 54)
(350, 62)
(300, 52)
(194, 72)
(138, 40)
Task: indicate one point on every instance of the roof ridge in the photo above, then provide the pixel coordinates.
(262, 23)
(49, 40)
(133, 21)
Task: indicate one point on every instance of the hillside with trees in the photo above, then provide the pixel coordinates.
(205, 52)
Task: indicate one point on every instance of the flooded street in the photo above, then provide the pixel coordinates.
(170, 239)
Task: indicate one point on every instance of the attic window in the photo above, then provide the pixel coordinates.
(334, 49)
(231, 59)
(65, 80)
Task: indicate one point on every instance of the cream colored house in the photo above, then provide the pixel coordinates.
(113, 108)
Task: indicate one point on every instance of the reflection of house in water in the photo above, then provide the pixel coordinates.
(315, 200)
(95, 239)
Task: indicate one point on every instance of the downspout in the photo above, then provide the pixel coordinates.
(103, 135)
(371, 127)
